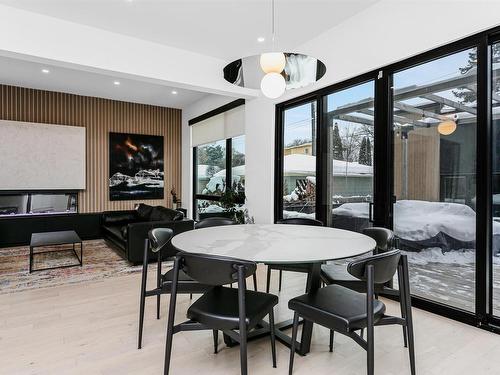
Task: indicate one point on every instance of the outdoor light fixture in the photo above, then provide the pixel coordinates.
(447, 127)
(274, 71)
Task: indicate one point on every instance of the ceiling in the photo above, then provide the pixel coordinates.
(22, 73)
(224, 29)
(227, 29)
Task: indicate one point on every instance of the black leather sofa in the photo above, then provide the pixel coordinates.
(128, 229)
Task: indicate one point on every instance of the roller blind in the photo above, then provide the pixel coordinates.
(225, 125)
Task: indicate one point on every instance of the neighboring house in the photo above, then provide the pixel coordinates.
(349, 178)
(303, 149)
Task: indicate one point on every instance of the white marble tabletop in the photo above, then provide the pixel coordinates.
(275, 243)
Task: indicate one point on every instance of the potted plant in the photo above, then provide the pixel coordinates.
(232, 201)
(174, 198)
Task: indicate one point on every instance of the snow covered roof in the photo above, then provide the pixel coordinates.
(305, 165)
(236, 171)
(203, 170)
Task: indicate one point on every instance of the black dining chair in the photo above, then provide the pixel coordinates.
(217, 222)
(299, 267)
(338, 274)
(346, 311)
(159, 241)
(221, 308)
(214, 222)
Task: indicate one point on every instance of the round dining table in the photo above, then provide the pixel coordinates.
(278, 244)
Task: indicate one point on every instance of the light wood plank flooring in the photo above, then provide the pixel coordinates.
(91, 328)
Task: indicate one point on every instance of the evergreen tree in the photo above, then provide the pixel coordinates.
(469, 96)
(368, 151)
(337, 148)
(362, 152)
(365, 152)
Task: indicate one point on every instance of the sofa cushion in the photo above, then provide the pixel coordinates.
(119, 218)
(160, 213)
(144, 212)
(115, 233)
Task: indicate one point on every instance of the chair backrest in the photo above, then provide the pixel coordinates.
(159, 238)
(300, 221)
(214, 222)
(214, 270)
(383, 237)
(384, 265)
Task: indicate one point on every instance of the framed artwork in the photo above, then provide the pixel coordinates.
(136, 165)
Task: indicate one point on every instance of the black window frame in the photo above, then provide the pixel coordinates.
(383, 194)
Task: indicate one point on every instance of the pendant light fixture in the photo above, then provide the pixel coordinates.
(274, 71)
(273, 84)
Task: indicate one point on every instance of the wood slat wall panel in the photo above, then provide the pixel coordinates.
(99, 117)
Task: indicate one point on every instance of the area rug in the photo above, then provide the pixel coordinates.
(100, 261)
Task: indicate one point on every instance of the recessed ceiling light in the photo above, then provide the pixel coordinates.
(45, 71)
(174, 92)
(261, 39)
(116, 83)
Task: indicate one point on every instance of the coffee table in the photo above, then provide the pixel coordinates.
(67, 237)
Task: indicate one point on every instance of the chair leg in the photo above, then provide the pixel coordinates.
(243, 352)
(158, 285)
(409, 317)
(362, 333)
(216, 340)
(331, 340)
(294, 340)
(190, 295)
(171, 318)
(281, 278)
(254, 282)
(273, 337)
(143, 293)
(402, 303)
(370, 355)
(268, 281)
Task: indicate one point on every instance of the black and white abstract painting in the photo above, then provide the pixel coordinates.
(135, 166)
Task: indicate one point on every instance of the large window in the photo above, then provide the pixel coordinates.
(238, 163)
(495, 117)
(415, 147)
(219, 160)
(299, 161)
(435, 176)
(350, 128)
(214, 167)
(211, 168)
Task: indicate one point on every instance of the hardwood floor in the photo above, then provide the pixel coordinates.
(91, 328)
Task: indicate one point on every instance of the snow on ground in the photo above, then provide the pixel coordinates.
(305, 165)
(421, 220)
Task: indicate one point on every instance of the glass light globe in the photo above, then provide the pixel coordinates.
(272, 62)
(447, 127)
(273, 85)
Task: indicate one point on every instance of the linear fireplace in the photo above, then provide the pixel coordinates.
(14, 204)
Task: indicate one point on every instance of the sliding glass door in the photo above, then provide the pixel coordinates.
(434, 164)
(413, 146)
(349, 120)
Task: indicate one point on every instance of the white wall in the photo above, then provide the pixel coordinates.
(384, 33)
